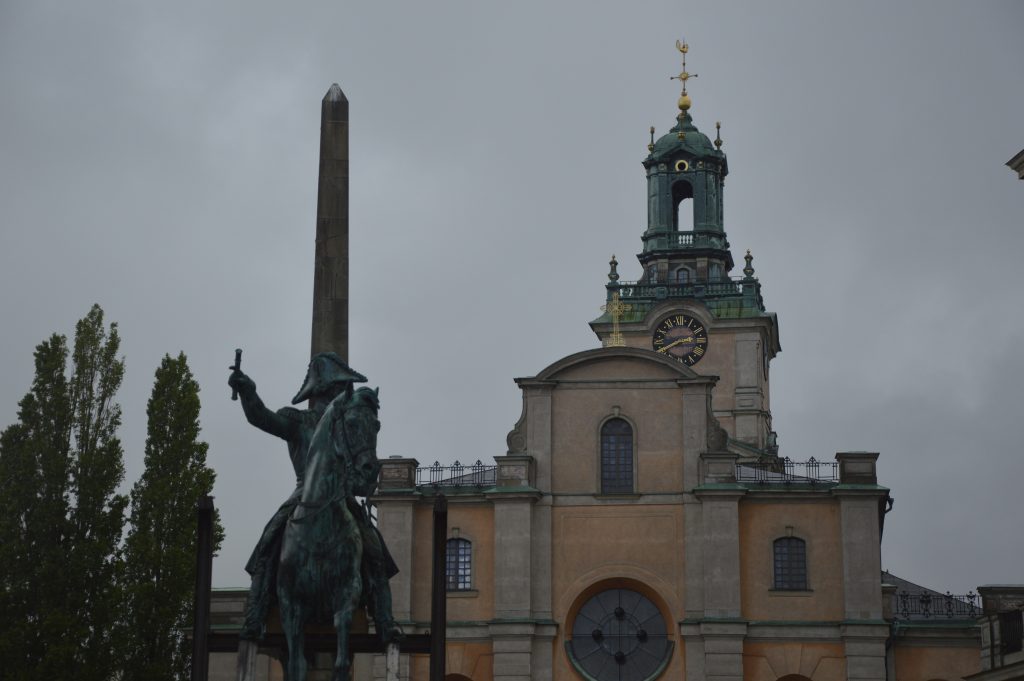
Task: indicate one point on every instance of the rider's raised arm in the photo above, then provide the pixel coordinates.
(281, 423)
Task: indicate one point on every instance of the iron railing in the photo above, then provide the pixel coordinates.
(724, 287)
(788, 472)
(928, 606)
(457, 475)
(742, 292)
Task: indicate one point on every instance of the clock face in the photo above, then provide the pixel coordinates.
(681, 337)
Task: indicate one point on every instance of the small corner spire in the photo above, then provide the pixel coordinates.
(748, 271)
(718, 137)
(613, 272)
(650, 145)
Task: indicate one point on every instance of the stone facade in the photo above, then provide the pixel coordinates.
(646, 473)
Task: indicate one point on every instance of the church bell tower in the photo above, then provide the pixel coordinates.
(686, 304)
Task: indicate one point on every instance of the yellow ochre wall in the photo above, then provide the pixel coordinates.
(772, 661)
(646, 396)
(475, 521)
(932, 663)
(469, 659)
(628, 546)
(816, 521)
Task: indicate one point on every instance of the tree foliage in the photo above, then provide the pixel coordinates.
(61, 519)
(160, 551)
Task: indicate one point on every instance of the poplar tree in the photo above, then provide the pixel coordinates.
(160, 551)
(61, 519)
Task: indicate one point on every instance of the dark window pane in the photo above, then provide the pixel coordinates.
(616, 457)
(790, 564)
(1011, 631)
(458, 564)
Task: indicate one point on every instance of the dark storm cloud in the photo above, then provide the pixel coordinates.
(161, 161)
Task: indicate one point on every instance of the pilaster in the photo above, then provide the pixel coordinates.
(864, 631)
(521, 650)
(864, 645)
(859, 511)
(395, 520)
(720, 496)
(537, 394)
(397, 474)
(713, 637)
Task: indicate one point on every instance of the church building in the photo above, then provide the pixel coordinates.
(642, 524)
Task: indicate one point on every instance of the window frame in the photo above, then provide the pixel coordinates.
(457, 584)
(787, 583)
(601, 459)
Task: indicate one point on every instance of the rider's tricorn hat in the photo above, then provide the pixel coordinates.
(326, 372)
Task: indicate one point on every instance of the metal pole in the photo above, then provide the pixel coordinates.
(438, 591)
(204, 576)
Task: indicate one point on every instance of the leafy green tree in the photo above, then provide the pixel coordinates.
(160, 551)
(62, 520)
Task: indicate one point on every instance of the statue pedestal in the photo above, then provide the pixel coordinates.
(247, 660)
(320, 664)
(391, 663)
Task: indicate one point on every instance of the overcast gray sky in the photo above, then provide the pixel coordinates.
(160, 159)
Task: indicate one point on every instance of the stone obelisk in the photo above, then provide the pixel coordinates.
(330, 278)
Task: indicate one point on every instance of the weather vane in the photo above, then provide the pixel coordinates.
(684, 99)
(683, 75)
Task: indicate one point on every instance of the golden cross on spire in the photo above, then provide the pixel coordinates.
(615, 308)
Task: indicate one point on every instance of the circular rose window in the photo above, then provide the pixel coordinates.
(619, 635)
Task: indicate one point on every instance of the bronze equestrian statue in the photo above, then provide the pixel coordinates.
(319, 576)
(329, 388)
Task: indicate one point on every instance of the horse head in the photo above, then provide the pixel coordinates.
(361, 427)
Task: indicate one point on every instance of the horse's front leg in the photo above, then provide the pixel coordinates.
(343, 624)
(293, 622)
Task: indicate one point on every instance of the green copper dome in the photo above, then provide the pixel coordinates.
(694, 142)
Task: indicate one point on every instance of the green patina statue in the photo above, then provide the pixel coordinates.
(320, 555)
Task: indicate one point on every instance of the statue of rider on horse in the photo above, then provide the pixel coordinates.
(320, 555)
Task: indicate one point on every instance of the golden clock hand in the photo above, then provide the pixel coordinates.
(688, 339)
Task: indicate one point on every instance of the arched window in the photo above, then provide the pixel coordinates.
(683, 208)
(458, 570)
(714, 272)
(616, 457)
(790, 564)
(681, 276)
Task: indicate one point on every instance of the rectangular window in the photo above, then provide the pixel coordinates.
(458, 565)
(790, 564)
(1011, 631)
